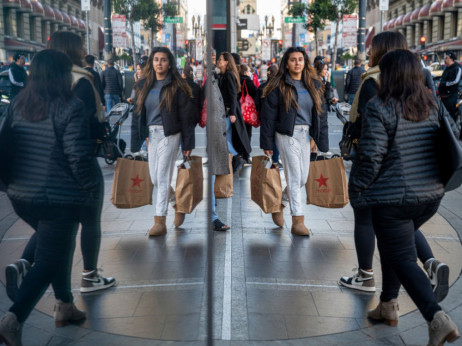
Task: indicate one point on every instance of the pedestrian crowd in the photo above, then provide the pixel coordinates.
(56, 184)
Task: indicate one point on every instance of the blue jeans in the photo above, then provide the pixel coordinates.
(55, 229)
(111, 101)
(351, 97)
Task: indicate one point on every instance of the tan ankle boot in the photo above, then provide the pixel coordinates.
(159, 227)
(278, 217)
(179, 219)
(10, 330)
(388, 312)
(442, 329)
(298, 226)
(65, 313)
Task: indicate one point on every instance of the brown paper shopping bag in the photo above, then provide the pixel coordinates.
(327, 184)
(224, 183)
(265, 185)
(189, 186)
(132, 185)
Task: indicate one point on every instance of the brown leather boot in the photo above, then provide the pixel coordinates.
(159, 227)
(298, 226)
(442, 329)
(65, 313)
(278, 217)
(388, 312)
(179, 219)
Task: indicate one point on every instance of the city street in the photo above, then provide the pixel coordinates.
(270, 287)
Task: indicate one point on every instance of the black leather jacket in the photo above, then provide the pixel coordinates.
(182, 118)
(275, 118)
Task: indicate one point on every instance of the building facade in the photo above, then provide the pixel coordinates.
(26, 25)
(439, 21)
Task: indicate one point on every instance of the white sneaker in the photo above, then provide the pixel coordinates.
(362, 281)
(93, 281)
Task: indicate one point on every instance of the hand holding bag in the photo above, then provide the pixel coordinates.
(327, 184)
(224, 183)
(189, 185)
(449, 152)
(132, 186)
(248, 108)
(265, 185)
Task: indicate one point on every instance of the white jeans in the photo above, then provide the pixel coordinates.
(162, 154)
(295, 155)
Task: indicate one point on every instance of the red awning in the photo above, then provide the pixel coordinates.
(424, 12)
(11, 3)
(370, 34)
(37, 8)
(448, 4)
(11, 44)
(415, 14)
(453, 45)
(100, 38)
(26, 6)
(66, 18)
(82, 25)
(74, 21)
(49, 13)
(399, 21)
(435, 8)
(58, 15)
(391, 24)
(407, 18)
(385, 26)
(458, 3)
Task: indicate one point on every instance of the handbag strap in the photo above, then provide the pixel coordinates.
(244, 91)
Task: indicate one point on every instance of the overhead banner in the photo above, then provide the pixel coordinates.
(119, 31)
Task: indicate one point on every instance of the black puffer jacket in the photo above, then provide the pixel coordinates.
(111, 81)
(275, 118)
(353, 79)
(182, 118)
(402, 173)
(53, 165)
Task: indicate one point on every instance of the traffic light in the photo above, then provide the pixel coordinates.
(423, 39)
(186, 43)
(425, 58)
(273, 60)
(280, 45)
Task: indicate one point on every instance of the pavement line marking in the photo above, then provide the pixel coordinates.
(147, 286)
(226, 320)
(289, 284)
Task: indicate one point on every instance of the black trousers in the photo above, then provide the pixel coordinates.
(450, 103)
(395, 230)
(55, 231)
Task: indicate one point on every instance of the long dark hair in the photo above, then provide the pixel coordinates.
(319, 66)
(232, 68)
(69, 43)
(308, 74)
(49, 81)
(384, 42)
(149, 76)
(401, 80)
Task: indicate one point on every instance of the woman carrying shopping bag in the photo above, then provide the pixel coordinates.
(167, 116)
(292, 112)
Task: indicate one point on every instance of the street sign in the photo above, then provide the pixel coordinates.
(294, 20)
(350, 30)
(85, 5)
(173, 20)
(383, 5)
(241, 24)
(266, 49)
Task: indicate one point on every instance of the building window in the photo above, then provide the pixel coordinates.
(454, 19)
(44, 31)
(7, 21)
(20, 25)
(429, 34)
(440, 36)
(33, 28)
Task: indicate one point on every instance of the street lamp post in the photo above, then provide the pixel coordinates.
(107, 30)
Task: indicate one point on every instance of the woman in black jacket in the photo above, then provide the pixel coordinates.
(397, 176)
(51, 176)
(167, 116)
(364, 235)
(230, 86)
(247, 84)
(188, 75)
(292, 112)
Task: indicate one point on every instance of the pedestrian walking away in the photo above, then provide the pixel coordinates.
(364, 235)
(90, 216)
(89, 66)
(48, 182)
(353, 80)
(399, 125)
(449, 84)
(17, 75)
(112, 84)
(230, 86)
(164, 100)
(292, 112)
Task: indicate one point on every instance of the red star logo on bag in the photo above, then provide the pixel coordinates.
(322, 181)
(137, 181)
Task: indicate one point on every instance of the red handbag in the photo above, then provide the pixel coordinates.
(203, 120)
(249, 111)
